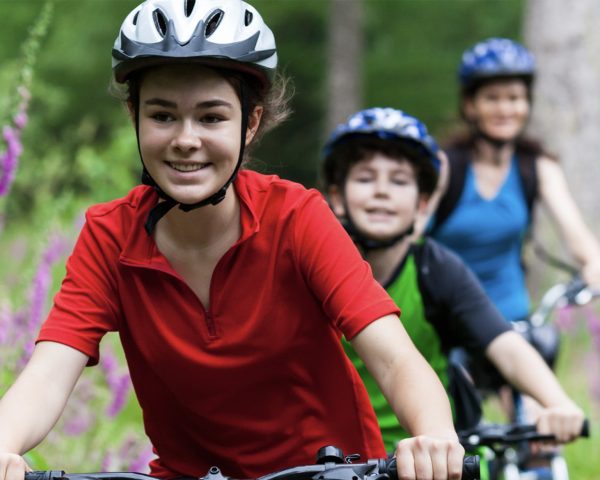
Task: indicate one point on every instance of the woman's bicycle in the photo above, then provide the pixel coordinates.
(510, 463)
(508, 448)
(331, 464)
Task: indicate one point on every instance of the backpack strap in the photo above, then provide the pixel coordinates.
(529, 179)
(458, 159)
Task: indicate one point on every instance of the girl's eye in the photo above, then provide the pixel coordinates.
(212, 118)
(162, 116)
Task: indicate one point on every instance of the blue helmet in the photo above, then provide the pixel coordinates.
(384, 123)
(495, 57)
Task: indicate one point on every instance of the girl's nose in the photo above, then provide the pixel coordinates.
(187, 137)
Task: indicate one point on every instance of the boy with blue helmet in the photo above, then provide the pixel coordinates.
(379, 170)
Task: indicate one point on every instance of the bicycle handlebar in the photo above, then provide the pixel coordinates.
(333, 467)
(498, 436)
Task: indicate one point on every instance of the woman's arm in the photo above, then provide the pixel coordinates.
(31, 407)
(417, 397)
(556, 196)
(524, 368)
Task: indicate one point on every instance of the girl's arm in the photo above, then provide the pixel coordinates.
(556, 196)
(31, 407)
(417, 397)
(524, 368)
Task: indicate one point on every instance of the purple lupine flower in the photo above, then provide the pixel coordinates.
(593, 322)
(120, 393)
(565, 318)
(5, 321)
(10, 158)
(107, 462)
(119, 384)
(41, 282)
(79, 424)
(141, 463)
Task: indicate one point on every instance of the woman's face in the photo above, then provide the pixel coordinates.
(190, 129)
(500, 109)
(381, 195)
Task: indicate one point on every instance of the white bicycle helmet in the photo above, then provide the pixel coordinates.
(229, 32)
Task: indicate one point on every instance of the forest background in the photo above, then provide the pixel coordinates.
(78, 148)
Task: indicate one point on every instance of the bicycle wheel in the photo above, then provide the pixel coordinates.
(559, 468)
(510, 471)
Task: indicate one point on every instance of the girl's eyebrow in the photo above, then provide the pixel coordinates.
(161, 102)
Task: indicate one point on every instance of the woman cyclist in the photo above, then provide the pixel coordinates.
(497, 175)
(229, 289)
(379, 170)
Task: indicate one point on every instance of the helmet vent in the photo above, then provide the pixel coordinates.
(160, 22)
(248, 17)
(213, 22)
(135, 18)
(189, 7)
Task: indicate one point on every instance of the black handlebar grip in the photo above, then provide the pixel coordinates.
(45, 475)
(585, 429)
(470, 468)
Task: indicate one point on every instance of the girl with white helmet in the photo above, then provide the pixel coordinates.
(230, 290)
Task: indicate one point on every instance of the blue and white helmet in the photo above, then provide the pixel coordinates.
(226, 31)
(495, 57)
(384, 123)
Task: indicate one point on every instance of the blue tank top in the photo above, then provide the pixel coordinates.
(488, 235)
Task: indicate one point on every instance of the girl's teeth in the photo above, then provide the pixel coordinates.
(187, 167)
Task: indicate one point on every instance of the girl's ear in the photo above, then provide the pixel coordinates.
(253, 123)
(336, 200)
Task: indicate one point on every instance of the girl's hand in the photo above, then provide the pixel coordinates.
(565, 423)
(12, 466)
(427, 457)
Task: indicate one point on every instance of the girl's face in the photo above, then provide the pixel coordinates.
(381, 195)
(500, 109)
(190, 129)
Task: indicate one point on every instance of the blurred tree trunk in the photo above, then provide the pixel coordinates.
(344, 60)
(565, 38)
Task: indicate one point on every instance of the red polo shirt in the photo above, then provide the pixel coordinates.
(259, 381)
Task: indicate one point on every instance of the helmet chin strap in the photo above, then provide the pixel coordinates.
(163, 207)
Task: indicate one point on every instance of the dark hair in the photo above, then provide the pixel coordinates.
(274, 100)
(362, 147)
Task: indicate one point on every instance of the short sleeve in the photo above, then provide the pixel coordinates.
(335, 271)
(86, 306)
(463, 313)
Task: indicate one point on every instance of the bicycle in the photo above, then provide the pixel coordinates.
(509, 452)
(545, 338)
(331, 464)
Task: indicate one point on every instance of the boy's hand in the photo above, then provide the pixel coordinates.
(565, 423)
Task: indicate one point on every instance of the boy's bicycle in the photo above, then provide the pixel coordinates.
(509, 452)
(331, 464)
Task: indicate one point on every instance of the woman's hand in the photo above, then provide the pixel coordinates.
(591, 274)
(12, 466)
(429, 457)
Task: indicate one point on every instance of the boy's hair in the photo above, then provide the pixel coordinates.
(358, 147)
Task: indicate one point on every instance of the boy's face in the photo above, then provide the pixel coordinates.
(381, 195)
